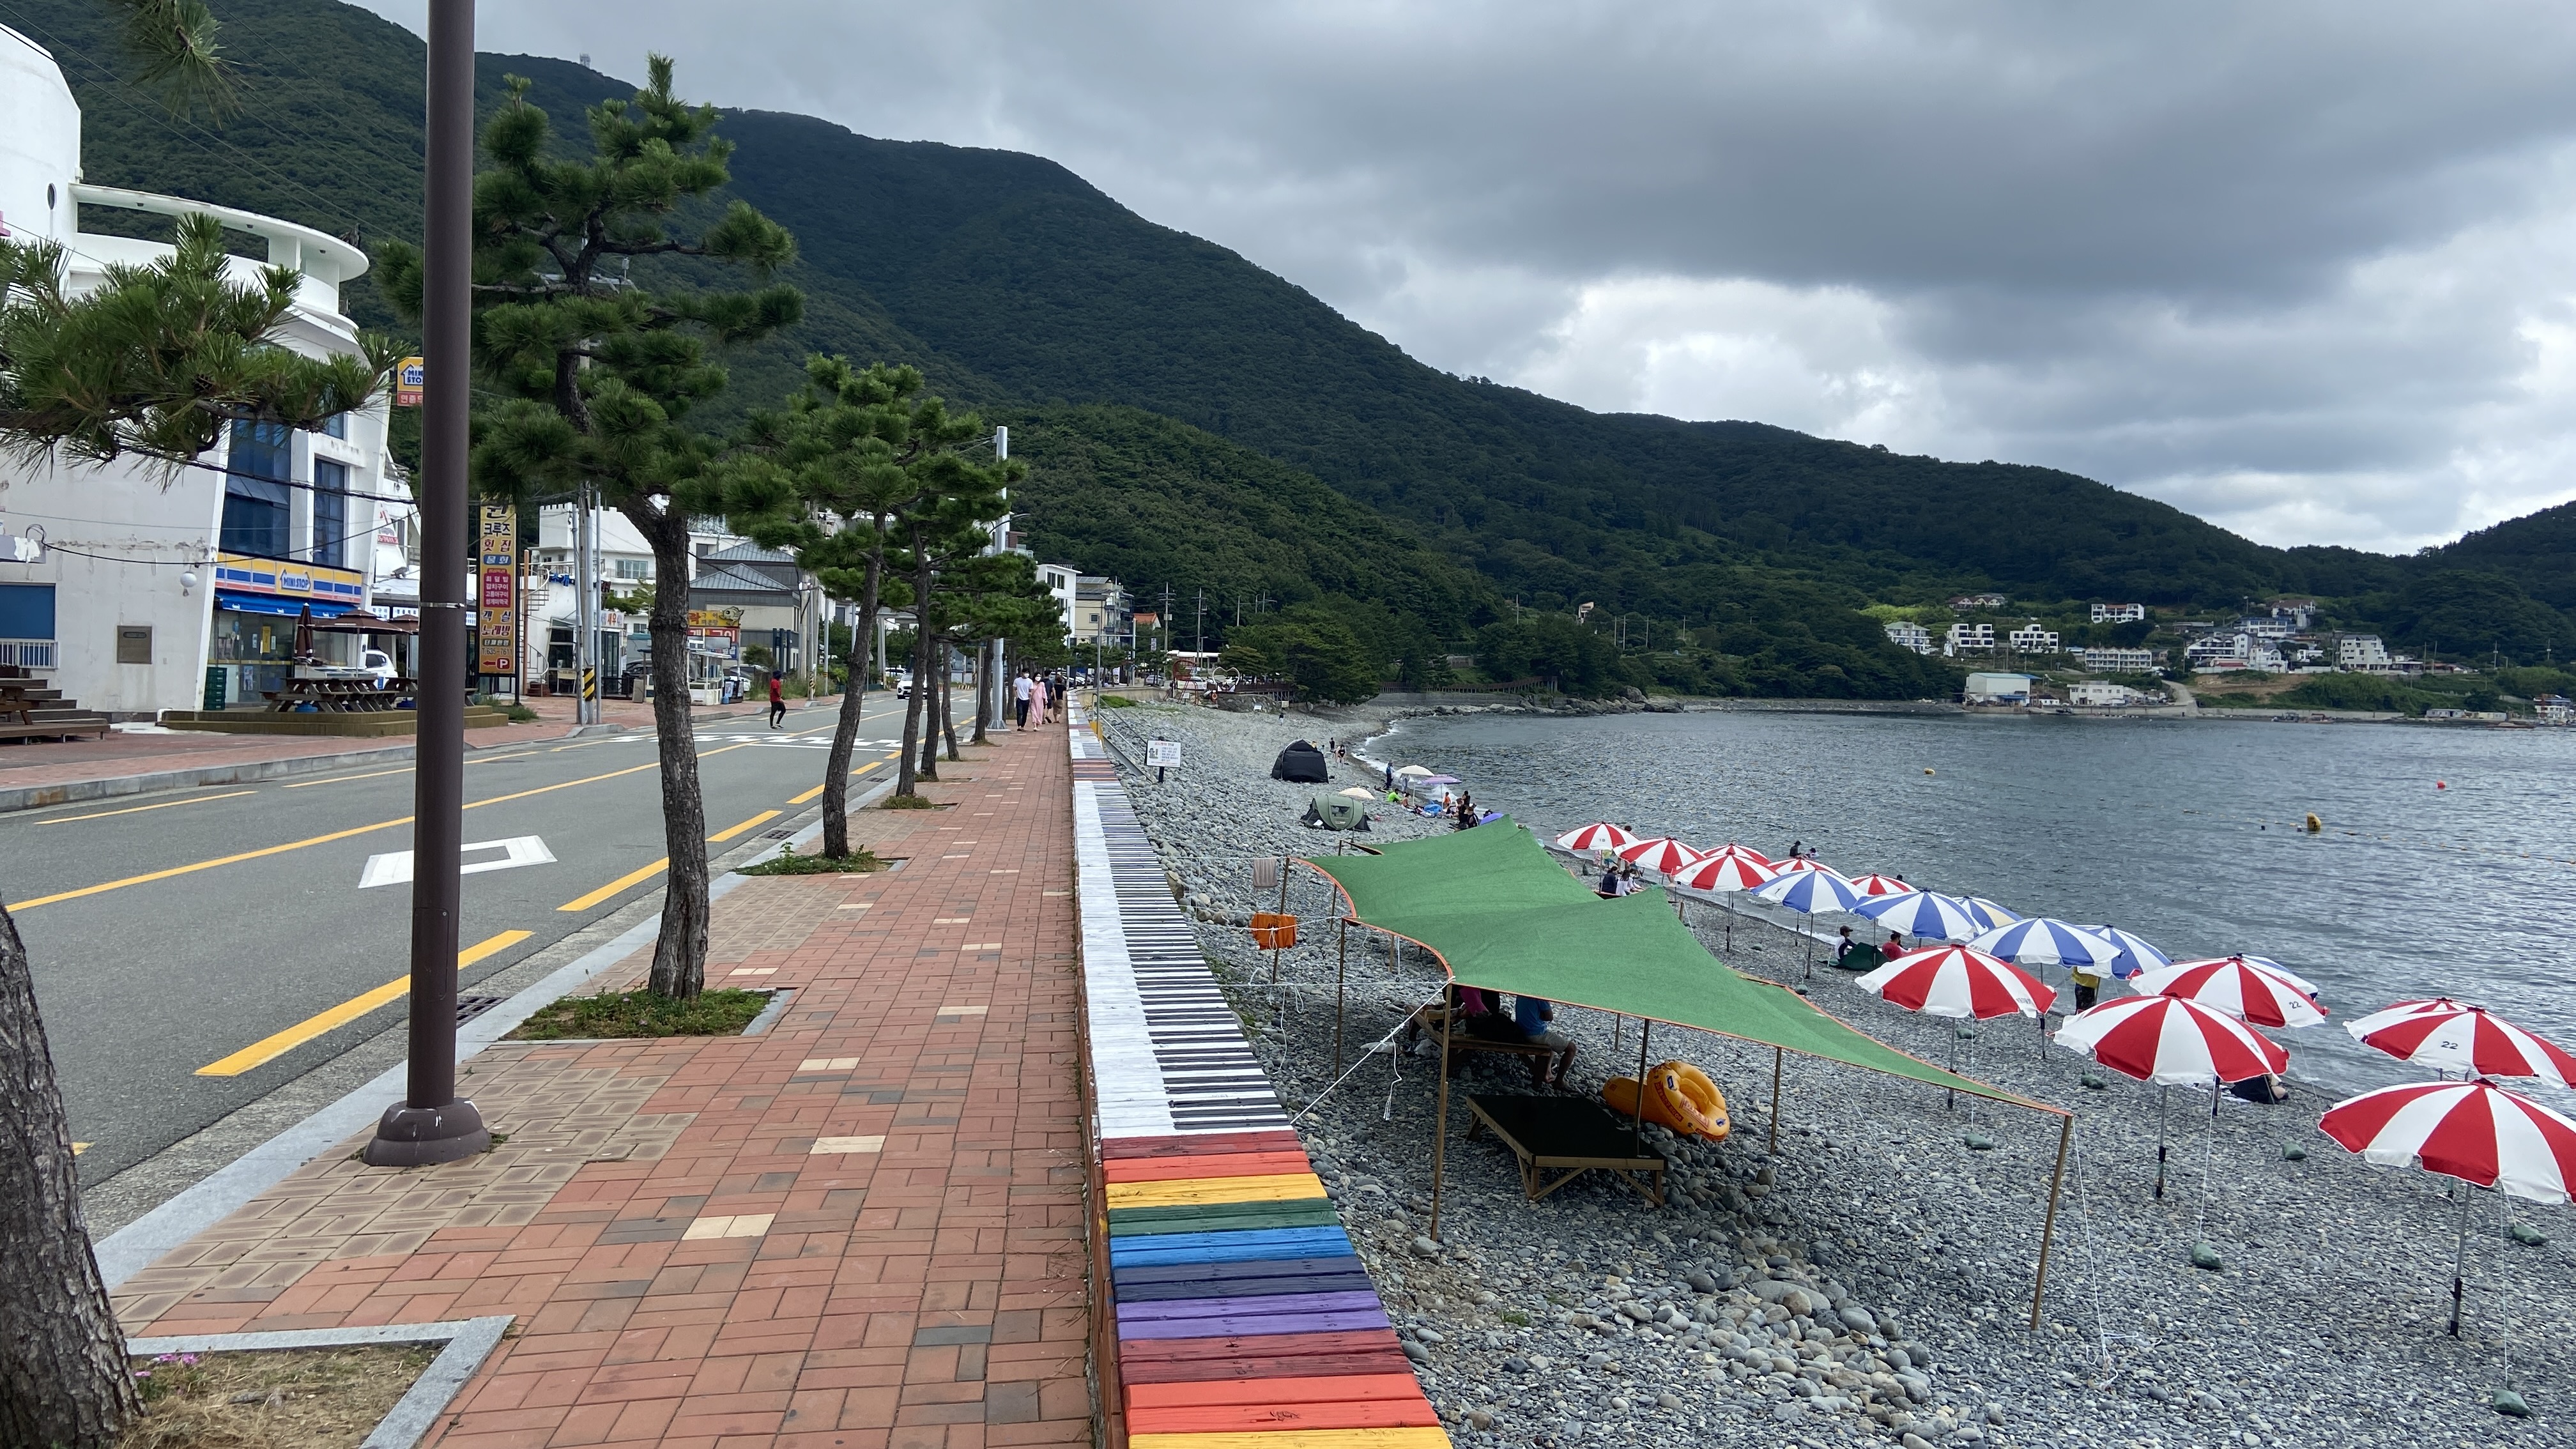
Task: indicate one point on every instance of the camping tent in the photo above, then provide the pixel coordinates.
(1301, 762)
(1336, 812)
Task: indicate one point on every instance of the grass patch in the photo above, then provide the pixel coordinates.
(788, 862)
(1113, 701)
(1515, 1317)
(909, 802)
(312, 1398)
(641, 1013)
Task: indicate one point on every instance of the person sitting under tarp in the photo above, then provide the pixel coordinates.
(1857, 955)
(1536, 1017)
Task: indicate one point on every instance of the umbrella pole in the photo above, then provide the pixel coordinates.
(2164, 1100)
(1341, 971)
(1776, 1054)
(2048, 1224)
(1440, 1126)
(2460, 1261)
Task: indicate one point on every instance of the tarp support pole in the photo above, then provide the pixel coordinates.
(1440, 1125)
(1645, 1033)
(1285, 862)
(1776, 1055)
(1341, 968)
(2048, 1224)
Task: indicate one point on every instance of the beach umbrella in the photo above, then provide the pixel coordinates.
(1881, 885)
(1661, 854)
(2476, 1132)
(1745, 851)
(1924, 913)
(1436, 780)
(2136, 953)
(2171, 1042)
(2277, 969)
(1988, 914)
(1600, 836)
(2451, 1036)
(1958, 981)
(1803, 862)
(1356, 793)
(1812, 891)
(2041, 941)
(2235, 986)
(1722, 872)
(1402, 771)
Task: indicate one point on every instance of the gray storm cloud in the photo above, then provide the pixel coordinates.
(2304, 269)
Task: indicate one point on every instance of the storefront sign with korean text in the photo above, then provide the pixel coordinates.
(496, 559)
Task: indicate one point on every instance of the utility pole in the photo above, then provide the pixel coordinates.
(585, 626)
(1201, 650)
(432, 1124)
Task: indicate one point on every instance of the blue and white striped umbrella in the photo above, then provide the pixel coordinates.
(1924, 913)
(1989, 915)
(2136, 955)
(1813, 892)
(2040, 941)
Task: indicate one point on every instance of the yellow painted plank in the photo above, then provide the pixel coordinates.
(1281, 1187)
(1425, 1438)
(272, 1047)
(139, 809)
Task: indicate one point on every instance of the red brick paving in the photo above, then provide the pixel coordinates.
(930, 1295)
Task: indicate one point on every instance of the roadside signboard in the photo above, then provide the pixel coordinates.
(496, 557)
(407, 379)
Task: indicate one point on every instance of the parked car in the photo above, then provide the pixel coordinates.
(378, 663)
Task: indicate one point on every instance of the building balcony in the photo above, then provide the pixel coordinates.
(324, 261)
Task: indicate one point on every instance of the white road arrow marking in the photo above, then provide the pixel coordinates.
(394, 866)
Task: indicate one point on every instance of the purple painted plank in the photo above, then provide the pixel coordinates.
(1233, 1327)
(1266, 1305)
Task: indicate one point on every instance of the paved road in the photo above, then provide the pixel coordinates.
(195, 950)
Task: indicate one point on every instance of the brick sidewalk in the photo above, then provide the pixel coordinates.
(861, 1230)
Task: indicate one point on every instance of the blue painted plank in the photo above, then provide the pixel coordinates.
(1228, 1247)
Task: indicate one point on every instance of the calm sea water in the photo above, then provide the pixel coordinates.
(2188, 834)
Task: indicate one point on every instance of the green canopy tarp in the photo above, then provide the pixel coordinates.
(1500, 913)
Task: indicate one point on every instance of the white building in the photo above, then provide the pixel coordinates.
(2220, 652)
(2361, 653)
(159, 588)
(1060, 580)
(1906, 634)
(2101, 694)
(2117, 661)
(2032, 639)
(1968, 639)
(2119, 613)
(1999, 689)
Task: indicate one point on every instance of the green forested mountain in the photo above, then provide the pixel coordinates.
(1198, 422)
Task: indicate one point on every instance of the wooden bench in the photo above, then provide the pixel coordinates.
(338, 696)
(1568, 1135)
(18, 719)
(1433, 1019)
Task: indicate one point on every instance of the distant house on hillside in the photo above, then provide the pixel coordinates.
(2032, 639)
(1979, 601)
(2361, 654)
(2119, 613)
(1968, 639)
(1905, 634)
(2116, 661)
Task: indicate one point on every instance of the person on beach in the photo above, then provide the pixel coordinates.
(1793, 849)
(777, 700)
(1021, 689)
(1466, 811)
(1390, 777)
(2088, 987)
(1536, 1016)
(1895, 946)
(1854, 954)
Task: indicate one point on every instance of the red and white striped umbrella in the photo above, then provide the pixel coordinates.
(1880, 885)
(1797, 863)
(1724, 872)
(2452, 1036)
(1661, 854)
(1746, 851)
(2174, 1042)
(2235, 986)
(1600, 836)
(1958, 981)
(2473, 1131)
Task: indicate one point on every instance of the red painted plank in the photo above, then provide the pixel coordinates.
(1236, 1418)
(1134, 1371)
(1329, 1389)
(1195, 1144)
(1260, 1345)
(1214, 1164)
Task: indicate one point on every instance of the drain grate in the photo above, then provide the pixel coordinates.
(778, 835)
(470, 1007)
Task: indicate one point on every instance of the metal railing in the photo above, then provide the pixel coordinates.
(27, 653)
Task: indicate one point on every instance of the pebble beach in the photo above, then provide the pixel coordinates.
(1870, 1281)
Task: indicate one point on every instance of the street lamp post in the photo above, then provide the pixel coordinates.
(432, 1124)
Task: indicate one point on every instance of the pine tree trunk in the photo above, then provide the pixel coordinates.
(983, 692)
(680, 953)
(845, 730)
(63, 1380)
(914, 734)
(947, 696)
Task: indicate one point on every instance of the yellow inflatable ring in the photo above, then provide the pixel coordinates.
(1678, 1095)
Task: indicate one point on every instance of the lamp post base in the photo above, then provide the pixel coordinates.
(427, 1136)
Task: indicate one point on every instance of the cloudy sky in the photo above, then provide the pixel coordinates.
(2306, 269)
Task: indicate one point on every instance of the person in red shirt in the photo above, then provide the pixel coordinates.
(777, 701)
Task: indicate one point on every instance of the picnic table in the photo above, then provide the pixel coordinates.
(1567, 1134)
(14, 701)
(338, 696)
(1435, 1019)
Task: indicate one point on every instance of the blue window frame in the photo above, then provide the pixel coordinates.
(257, 500)
(330, 512)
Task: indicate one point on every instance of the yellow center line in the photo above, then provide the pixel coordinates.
(854, 774)
(733, 831)
(138, 809)
(179, 870)
(336, 779)
(270, 1048)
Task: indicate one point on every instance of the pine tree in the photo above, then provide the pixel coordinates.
(595, 363)
(156, 361)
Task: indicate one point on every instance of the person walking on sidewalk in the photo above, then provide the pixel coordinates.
(1038, 699)
(1021, 688)
(777, 700)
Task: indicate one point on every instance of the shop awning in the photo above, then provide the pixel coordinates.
(242, 603)
(1501, 914)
